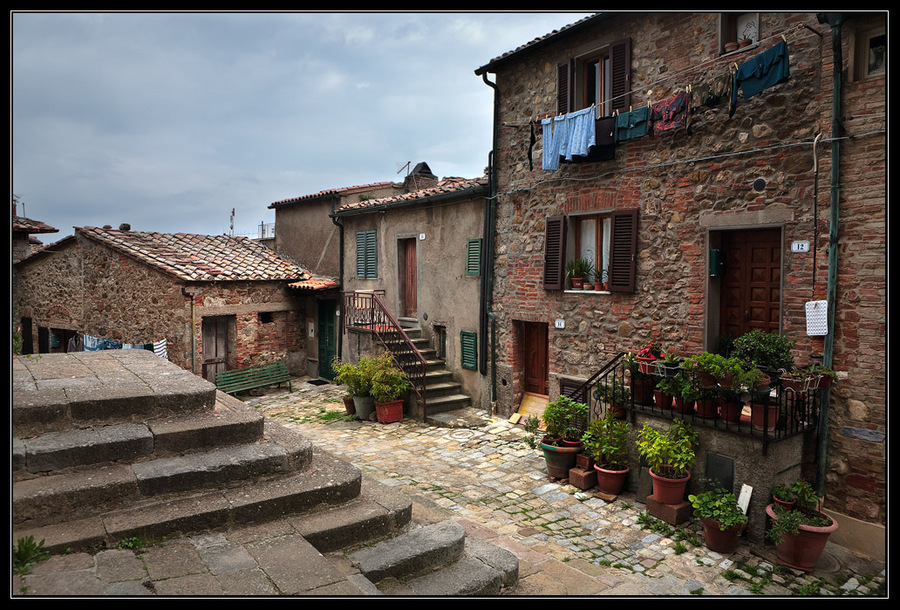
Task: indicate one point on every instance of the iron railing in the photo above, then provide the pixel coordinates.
(367, 311)
(773, 415)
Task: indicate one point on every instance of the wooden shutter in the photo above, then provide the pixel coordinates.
(620, 65)
(366, 255)
(623, 251)
(468, 348)
(554, 253)
(473, 257)
(564, 90)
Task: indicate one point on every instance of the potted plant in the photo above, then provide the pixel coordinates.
(722, 519)
(669, 365)
(731, 406)
(614, 393)
(605, 441)
(770, 351)
(648, 355)
(389, 385)
(358, 379)
(669, 454)
(564, 420)
(800, 534)
(708, 368)
(783, 496)
(666, 390)
(577, 270)
(824, 376)
(642, 383)
(685, 393)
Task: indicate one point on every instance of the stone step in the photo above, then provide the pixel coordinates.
(230, 422)
(437, 560)
(55, 392)
(443, 388)
(328, 481)
(449, 402)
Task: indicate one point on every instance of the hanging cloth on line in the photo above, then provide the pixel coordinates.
(670, 113)
(769, 68)
(567, 136)
(633, 124)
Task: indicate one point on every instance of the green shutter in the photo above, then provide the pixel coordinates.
(473, 257)
(468, 347)
(366, 255)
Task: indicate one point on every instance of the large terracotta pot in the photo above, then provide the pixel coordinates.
(707, 408)
(758, 416)
(389, 412)
(803, 549)
(610, 481)
(668, 491)
(684, 406)
(718, 540)
(560, 459)
(731, 411)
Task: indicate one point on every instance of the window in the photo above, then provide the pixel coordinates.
(473, 257)
(602, 78)
(871, 53)
(366, 255)
(738, 26)
(265, 317)
(609, 239)
(468, 348)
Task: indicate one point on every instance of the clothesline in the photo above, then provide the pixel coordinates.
(89, 343)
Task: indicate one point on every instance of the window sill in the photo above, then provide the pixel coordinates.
(587, 292)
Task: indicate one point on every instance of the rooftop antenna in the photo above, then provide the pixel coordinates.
(231, 231)
(404, 166)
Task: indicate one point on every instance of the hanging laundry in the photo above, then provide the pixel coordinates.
(581, 133)
(769, 68)
(604, 147)
(550, 154)
(160, 348)
(670, 113)
(633, 124)
(76, 343)
(91, 344)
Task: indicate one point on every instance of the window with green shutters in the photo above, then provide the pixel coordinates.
(366, 255)
(473, 257)
(468, 347)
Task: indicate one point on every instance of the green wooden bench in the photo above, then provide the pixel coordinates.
(238, 380)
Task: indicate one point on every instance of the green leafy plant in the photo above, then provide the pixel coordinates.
(579, 267)
(355, 376)
(613, 391)
(805, 511)
(27, 553)
(720, 505)
(388, 382)
(563, 418)
(606, 441)
(671, 452)
(770, 351)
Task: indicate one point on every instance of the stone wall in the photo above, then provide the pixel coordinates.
(689, 186)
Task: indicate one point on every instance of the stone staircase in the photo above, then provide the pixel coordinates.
(114, 445)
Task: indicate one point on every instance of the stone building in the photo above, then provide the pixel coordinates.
(728, 187)
(421, 251)
(218, 302)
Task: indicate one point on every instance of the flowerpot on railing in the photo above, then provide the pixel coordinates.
(763, 415)
(646, 365)
(707, 408)
(730, 411)
(642, 390)
(662, 400)
(683, 405)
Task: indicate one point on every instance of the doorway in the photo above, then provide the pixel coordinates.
(407, 288)
(535, 357)
(751, 281)
(327, 338)
(215, 346)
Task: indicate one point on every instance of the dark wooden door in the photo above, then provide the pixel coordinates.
(408, 281)
(327, 338)
(751, 282)
(535, 357)
(214, 346)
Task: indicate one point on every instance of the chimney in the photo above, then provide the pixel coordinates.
(420, 178)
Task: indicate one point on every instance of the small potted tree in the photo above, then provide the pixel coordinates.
(606, 442)
(722, 519)
(770, 351)
(614, 393)
(389, 386)
(564, 421)
(669, 454)
(358, 379)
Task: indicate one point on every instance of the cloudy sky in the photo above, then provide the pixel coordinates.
(168, 121)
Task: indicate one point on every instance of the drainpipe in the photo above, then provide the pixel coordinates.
(340, 343)
(189, 293)
(487, 293)
(835, 20)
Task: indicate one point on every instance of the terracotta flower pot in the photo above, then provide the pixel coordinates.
(642, 390)
(610, 481)
(668, 491)
(389, 412)
(803, 549)
(759, 419)
(645, 365)
(559, 459)
(707, 408)
(719, 540)
(684, 406)
(731, 411)
(663, 400)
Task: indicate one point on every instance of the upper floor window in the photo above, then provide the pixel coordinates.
(366, 255)
(737, 27)
(601, 78)
(871, 53)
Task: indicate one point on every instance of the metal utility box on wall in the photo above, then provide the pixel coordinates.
(716, 263)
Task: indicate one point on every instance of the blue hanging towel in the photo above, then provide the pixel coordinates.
(769, 68)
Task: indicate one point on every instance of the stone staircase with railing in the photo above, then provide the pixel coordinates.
(114, 445)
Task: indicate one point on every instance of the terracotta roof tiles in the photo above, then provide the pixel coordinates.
(445, 186)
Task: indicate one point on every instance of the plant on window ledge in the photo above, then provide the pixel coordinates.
(577, 270)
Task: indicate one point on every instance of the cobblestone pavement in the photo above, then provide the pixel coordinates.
(569, 542)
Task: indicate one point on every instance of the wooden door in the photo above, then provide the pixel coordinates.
(535, 358)
(408, 282)
(327, 338)
(751, 282)
(214, 346)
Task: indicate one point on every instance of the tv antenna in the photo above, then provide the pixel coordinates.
(404, 166)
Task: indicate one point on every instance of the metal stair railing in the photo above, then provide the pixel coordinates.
(367, 310)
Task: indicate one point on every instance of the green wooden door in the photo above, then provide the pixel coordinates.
(327, 338)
